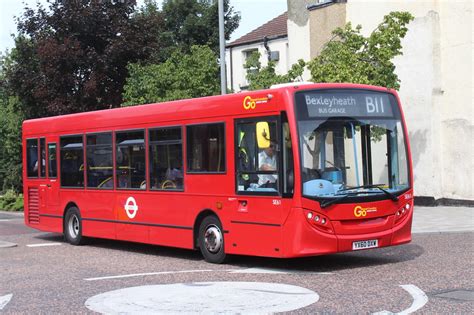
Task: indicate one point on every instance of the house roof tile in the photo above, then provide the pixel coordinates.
(276, 27)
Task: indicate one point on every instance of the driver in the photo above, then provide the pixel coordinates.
(267, 162)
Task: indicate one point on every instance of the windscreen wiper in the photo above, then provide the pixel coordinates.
(335, 200)
(329, 202)
(392, 196)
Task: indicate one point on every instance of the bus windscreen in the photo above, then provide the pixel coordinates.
(348, 139)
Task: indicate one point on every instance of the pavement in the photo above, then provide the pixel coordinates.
(443, 219)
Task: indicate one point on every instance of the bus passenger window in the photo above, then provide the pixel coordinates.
(99, 161)
(52, 161)
(206, 148)
(42, 165)
(257, 167)
(166, 159)
(72, 161)
(32, 157)
(130, 160)
(287, 151)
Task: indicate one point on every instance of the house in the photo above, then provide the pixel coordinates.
(270, 40)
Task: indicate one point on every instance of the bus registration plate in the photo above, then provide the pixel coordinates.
(365, 244)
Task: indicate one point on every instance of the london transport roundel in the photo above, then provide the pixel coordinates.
(131, 207)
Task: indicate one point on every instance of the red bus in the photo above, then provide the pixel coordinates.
(286, 172)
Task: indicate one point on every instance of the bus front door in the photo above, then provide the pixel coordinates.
(52, 180)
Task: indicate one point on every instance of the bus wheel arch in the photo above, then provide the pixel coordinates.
(209, 236)
(72, 225)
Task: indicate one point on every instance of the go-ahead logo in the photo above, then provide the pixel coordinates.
(362, 212)
(131, 207)
(251, 103)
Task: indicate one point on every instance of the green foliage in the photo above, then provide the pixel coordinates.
(351, 57)
(72, 56)
(10, 133)
(189, 23)
(189, 75)
(263, 77)
(11, 201)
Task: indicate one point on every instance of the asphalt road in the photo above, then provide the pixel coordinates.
(60, 278)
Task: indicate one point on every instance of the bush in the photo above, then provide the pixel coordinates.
(11, 201)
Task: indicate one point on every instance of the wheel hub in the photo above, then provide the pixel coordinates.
(213, 239)
(74, 226)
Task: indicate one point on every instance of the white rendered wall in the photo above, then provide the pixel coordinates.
(298, 39)
(238, 61)
(436, 89)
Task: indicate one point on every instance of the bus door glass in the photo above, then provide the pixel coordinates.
(52, 182)
(40, 166)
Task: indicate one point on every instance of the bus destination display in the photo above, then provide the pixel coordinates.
(362, 104)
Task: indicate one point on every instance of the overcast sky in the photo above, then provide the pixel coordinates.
(253, 12)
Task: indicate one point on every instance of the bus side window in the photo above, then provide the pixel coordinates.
(206, 148)
(42, 165)
(99, 161)
(72, 161)
(166, 158)
(52, 161)
(130, 159)
(32, 157)
(287, 151)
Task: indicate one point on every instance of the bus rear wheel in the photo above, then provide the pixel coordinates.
(211, 240)
(73, 227)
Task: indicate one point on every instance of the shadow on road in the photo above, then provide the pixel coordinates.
(139, 248)
(335, 262)
(327, 263)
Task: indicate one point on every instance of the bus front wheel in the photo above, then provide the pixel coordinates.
(211, 240)
(73, 227)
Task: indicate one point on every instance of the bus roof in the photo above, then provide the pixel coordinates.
(258, 102)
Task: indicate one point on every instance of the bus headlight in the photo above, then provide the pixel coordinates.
(319, 221)
(402, 213)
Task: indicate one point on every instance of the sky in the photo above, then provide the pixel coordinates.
(253, 14)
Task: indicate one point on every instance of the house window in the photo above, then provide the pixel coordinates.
(248, 70)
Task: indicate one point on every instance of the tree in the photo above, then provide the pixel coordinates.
(263, 77)
(195, 22)
(10, 133)
(351, 57)
(182, 76)
(73, 57)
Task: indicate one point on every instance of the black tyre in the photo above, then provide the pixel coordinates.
(73, 227)
(211, 240)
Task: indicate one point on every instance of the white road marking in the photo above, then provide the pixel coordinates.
(419, 300)
(44, 244)
(147, 274)
(277, 271)
(204, 298)
(5, 220)
(4, 300)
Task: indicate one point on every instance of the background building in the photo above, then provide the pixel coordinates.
(270, 40)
